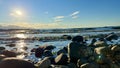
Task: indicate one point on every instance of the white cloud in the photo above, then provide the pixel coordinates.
(59, 17)
(75, 13)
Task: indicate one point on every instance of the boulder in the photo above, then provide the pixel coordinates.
(47, 53)
(112, 37)
(100, 43)
(103, 50)
(77, 39)
(81, 61)
(61, 51)
(48, 47)
(45, 63)
(2, 57)
(15, 63)
(33, 50)
(9, 53)
(115, 48)
(11, 45)
(61, 59)
(39, 52)
(2, 48)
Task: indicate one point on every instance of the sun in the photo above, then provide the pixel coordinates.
(18, 12)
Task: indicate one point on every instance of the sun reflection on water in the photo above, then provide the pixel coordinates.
(20, 36)
(20, 48)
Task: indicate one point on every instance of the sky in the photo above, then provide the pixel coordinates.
(60, 13)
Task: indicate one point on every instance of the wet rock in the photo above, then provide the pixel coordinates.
(77, 39)
(15, 63)
(2, 57)
(61, 51)
(2, 48)
(100, 43)
(39, 52)
(101, 39)
(45, 63)
(9, 53)
(52, 59)
(92, 42)
(68, 37)
(11, 45)
(115, 48)
(112, 37)
(47, 53)
(74, 52)
(33, 50)
(50, 47)
(61, 59)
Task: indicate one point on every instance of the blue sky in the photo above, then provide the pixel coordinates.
(60, 13)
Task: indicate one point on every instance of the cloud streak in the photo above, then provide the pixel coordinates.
(75, 13)
(59, 17)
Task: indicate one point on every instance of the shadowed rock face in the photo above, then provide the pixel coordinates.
(15, 63)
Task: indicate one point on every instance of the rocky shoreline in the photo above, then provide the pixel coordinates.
(78, 54)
